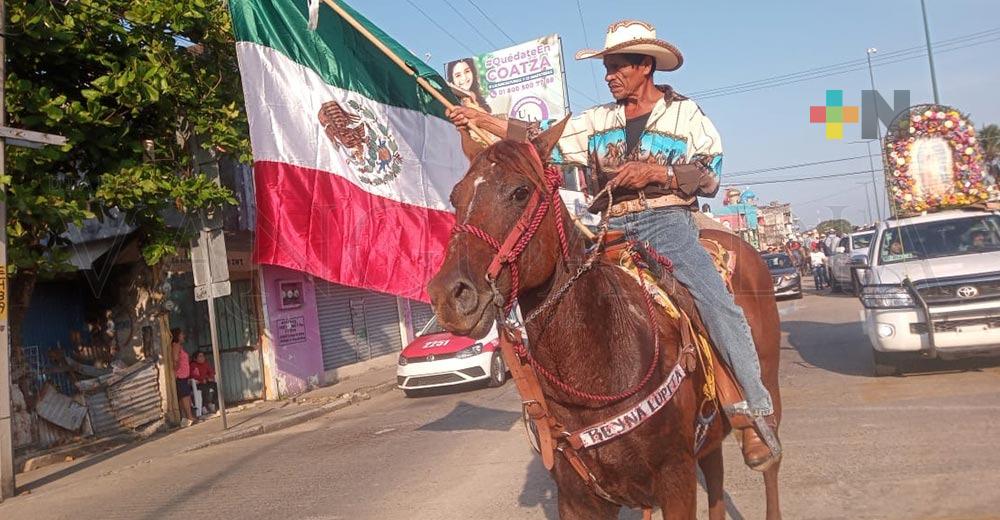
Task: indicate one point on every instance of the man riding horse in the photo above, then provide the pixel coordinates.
(672, 155)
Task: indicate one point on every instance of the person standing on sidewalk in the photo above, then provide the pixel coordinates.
(182, 376)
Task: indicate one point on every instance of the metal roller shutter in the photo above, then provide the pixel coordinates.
(355, 325)
(420, 314)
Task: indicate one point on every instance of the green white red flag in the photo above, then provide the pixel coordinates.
(353, 162)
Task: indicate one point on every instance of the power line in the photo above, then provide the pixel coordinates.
(572, 88)
(586, 41)
(792, 166)
(812, 178)
(851, 63)
(474, 28)
(827, 196)
(837, 69)
(490, 19)
(836, 73)
(439, 26)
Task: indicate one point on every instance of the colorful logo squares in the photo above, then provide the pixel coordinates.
(834, 114)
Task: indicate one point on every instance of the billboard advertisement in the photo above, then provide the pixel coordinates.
(524, 82)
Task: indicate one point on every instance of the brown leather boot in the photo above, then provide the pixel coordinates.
(761, 447)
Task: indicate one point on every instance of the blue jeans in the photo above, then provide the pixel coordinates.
(672, 232)
(819, 276)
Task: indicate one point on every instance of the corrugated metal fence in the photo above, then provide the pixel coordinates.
(123, 401)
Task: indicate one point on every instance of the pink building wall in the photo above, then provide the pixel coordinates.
(295, 357)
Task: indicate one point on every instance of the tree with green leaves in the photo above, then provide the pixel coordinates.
(131, 85)
(838, 225)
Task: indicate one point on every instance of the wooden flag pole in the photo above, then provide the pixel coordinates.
(435, 93)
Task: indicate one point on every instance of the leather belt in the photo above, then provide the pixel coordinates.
(636, 205)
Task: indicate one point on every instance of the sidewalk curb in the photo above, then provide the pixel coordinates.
(24, 464)
(357, 396)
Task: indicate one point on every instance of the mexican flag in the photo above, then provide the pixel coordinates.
(353, 162)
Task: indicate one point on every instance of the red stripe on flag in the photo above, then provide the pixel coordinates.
(313, 221)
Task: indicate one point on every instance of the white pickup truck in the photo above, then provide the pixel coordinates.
(851, 252)
(932, 287)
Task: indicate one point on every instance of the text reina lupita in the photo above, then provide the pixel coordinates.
(638, 414)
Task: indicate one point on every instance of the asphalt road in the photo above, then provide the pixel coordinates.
(923, 445)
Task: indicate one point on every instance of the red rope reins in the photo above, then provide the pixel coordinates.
(533, 215)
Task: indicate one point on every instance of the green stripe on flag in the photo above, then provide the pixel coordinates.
(337, 52)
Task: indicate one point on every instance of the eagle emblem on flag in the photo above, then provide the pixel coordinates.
(368, 142)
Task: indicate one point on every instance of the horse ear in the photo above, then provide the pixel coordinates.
(548, 139)
(471, 146)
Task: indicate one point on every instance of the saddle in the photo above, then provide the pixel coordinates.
(677, 302)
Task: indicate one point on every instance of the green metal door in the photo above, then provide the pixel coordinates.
(239, 334)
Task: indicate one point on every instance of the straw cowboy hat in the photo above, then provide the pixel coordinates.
(635, 37)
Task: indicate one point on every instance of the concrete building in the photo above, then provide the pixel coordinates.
(776, 224)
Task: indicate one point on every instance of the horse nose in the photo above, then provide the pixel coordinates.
(464, 295)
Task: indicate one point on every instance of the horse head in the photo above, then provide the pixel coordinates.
(509, 235)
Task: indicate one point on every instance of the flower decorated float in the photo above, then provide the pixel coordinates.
(934, 161)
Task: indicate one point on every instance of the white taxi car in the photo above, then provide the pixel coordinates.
(437, 358)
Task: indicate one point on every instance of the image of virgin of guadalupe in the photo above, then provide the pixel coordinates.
(931, 167)
(464, 80)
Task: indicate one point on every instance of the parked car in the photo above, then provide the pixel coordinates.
(849, 256)
(437, 358)
(932, 288)
(787, 279)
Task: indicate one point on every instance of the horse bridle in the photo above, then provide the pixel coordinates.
(545, 195)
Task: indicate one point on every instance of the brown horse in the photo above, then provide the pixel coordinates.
(597, 336)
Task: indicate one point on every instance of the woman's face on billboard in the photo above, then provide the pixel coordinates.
(461, 75)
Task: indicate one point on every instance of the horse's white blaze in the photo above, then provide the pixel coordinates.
(475, 193)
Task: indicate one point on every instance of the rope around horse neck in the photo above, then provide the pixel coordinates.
(556, 297)
(553, 300)
(522, 351)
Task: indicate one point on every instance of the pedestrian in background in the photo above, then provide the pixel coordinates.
(204, 376)
(182, 376)
(818, 260)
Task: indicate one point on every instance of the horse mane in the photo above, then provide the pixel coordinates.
(509, 156)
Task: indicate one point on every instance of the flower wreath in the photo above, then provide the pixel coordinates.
(969, 184)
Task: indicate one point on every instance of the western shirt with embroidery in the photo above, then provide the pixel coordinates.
(677, 133)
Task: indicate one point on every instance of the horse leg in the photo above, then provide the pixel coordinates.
(712, 467)
(771, 488)
(680, 498)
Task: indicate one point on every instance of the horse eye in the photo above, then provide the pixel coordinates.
(520, 194)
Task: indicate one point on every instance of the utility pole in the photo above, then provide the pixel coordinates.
(29, 139)
(6, 432)
(930, 53)
(881, 146)
(871, 164)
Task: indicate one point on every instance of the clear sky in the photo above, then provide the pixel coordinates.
(727, 43)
